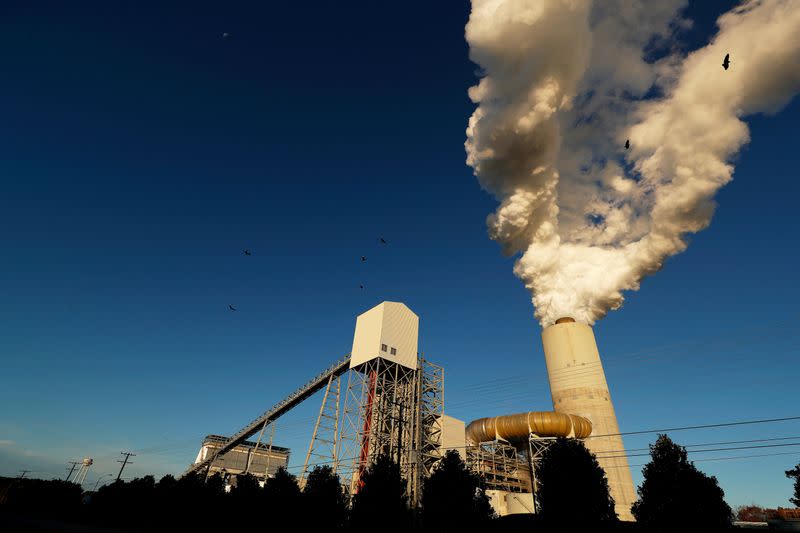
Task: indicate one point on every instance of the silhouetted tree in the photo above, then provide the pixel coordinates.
(164, 500)
(750, 513)
(191, 503)
(246, 485)
(245, 497)
(676, 495)
(215, 484)
(324, 498)
(44, 498)
(381, 499)
(166, 483)
(572, 484)
(795, 473)
(452, 497)
(121, 503)
(282, 493)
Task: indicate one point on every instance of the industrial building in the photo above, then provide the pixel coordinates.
(384, 398)
(260, 460)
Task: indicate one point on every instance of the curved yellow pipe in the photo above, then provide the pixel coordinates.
(519, 426)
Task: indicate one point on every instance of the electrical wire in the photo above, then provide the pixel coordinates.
(707, 459)
(708, 450)
(701, 426)
(704, 444)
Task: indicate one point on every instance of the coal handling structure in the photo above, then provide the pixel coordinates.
(383, 398)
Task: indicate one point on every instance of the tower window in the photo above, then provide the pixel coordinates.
(394, 351)
(383, 347)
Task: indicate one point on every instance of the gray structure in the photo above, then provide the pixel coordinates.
(260, 460)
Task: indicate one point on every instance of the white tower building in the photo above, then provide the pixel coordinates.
(389, 331)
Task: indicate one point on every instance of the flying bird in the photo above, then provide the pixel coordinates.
(360, 286)
(383, 241)
(247, 252)
(627, 143)
(232, 308)
(363, 258)
(726, 62)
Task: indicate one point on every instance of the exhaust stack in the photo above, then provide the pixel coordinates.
(578, 387)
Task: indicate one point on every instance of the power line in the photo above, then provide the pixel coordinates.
(645, 454)
(702, 426)
(623, 453)
(124, 462)
(708, 450)
(744, 456)
(708, 459)
(705, 459)
(704, 444)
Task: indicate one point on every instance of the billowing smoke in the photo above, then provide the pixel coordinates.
(564, 84)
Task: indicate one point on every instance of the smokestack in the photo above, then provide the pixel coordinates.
(578, 387)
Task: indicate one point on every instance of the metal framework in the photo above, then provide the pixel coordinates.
(502, 466)
(499, 466)
(277, 410)
(536, 447)
(378, 418)
(383, 409)
(323, 446)
(252, 453)
(392, 410)
(430, 409)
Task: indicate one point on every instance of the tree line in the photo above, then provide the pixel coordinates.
(573, 493)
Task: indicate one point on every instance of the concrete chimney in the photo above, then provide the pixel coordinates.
(578, 386)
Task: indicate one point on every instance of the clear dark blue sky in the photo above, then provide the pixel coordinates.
(140, 151)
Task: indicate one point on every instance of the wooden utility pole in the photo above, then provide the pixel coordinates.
(124, 462)
(71, 470)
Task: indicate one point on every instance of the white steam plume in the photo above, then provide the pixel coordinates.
(564, 84)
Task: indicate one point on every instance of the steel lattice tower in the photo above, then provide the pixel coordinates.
(391, 404)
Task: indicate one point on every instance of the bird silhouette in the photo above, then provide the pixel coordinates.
(231, 307)
(363, 258)
(627, 143)
(383, 241)
(726, 62)
(247, 252)
(360, 286)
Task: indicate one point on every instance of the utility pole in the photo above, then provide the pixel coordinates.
(71, 470)
(124, 462)
(5, 490)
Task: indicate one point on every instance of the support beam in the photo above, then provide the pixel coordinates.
(277, 410)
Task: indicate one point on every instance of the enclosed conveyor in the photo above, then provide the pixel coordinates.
(519, 427)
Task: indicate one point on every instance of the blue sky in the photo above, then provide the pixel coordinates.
(140, 151)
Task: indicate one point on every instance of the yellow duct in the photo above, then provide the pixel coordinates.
(520, 426)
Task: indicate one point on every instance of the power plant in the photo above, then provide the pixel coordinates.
(385, 398)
